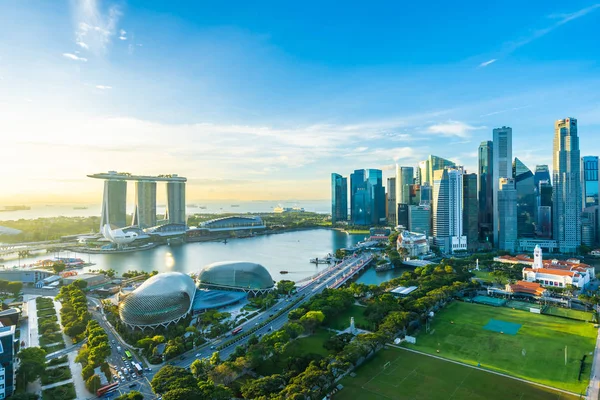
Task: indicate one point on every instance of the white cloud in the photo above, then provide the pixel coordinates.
(486, 63)
(122, 32)
(74, 57)
(452, 128)
(122, 38)
(103, 87)
(95, 28)
(82, 45)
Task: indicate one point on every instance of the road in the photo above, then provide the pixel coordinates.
(308, 291)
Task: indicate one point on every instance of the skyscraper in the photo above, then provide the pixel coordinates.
(419, 219)
(448, 210)
(589, 184)
(486, 191)
(502, 168)
(433, 163)
(566, 170)
(367, 197)
(114, 204)
(144, 214)
(526, 199)
(7, 360)
(470, 209)
(426, 194)
(175, 212)
(339, 198)
(543, 201)
(507, 214)
(404, 178)
(391, 201)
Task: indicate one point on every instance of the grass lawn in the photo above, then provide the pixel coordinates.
(55, 375)
(415, 376)
(300, 347)
(63, 392)
(56, 361)
(47, 312)
(342, 320)
(536, 352)
(569, 313)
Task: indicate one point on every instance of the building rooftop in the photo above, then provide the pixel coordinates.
(126, 176)
(547, 271)
(404, 291)
(527, 287)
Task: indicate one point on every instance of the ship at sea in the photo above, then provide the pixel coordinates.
(80, 208)
(15, 208)
(280, 209)
(235, 205)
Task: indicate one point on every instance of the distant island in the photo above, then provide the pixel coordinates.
(15, 208)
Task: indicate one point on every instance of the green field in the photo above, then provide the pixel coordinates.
(536, 352)
(419, 377)
(342, 320)
(569, 313)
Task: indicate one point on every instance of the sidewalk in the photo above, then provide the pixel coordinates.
(594, 386)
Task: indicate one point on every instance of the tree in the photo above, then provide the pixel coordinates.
(182, 394)
(337, 343)
(263, 386)
(80, 283)
(87, 372)
(215, 359)
(170, 377)
(93, 383)
(200, 368)
(32, 364)
(14, 287)
(312, 319)
(58, 267)
(293, 329)
(208, 390)
(340, 253)
(285, 286)
(133, 395)
(24, 396)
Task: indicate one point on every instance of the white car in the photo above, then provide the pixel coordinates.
(197, 355)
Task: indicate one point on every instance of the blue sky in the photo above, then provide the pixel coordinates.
(263, 100)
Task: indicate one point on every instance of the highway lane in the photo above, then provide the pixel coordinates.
(315, 287)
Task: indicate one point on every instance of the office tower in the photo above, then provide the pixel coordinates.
(589, 184)
(543, 188)
(114, 204)
(367, 197)
(589, 226)
(176, 203)
(448, 210)
(470, 209)
(526, 199)
(433, 163)
(402, 215)
(419, 219)
(486, 191)
(566, 170)
(144, 214)
(542, 173)
(414, 197)
(404, 178)
(507, 214)
(339, 198)
(7, 361)
(502, 168)
(391, 201)
(426, 194)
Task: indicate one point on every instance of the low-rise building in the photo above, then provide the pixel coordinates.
(403, 291)
(91, 279)
(526, 288)
(415, 244)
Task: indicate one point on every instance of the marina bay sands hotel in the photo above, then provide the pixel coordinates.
(114, 201)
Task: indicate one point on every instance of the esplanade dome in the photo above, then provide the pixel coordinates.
(236, 275)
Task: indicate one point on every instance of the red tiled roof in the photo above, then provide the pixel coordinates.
(551, 271)
(527, 287)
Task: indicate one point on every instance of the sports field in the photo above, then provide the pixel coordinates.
(569, 313)
(535, 352)
(418, 377)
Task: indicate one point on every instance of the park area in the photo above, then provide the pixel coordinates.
(515, 342)
(342, 320)
(400, 374)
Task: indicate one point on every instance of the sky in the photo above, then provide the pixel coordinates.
(263, 100)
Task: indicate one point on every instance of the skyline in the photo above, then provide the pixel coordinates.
(260, 103)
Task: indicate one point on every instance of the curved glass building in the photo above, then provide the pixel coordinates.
(162, 300)
(236, 275)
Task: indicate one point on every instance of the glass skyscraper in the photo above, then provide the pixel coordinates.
(502, 159)
(567, 194)
(526, 199)
(339, 198)
(144, 214)
(589, 184)
(470, 208)
(507, 214)
(367, 197)
(486, 191)
(114, 204)
(543, 188)
(391, 201)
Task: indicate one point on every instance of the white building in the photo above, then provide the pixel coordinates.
(448, 209)
(558, 273)
(416, 244)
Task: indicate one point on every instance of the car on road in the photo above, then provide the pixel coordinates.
(149, 369)
(123, 358)
(133, 385)
(197, 355)
(212, 347)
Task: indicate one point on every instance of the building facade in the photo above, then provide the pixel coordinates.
(507, 214)
(391, 201)
(470, 209)
(502, 158)
(404, 179)
(567, 194)
(427, 168)
(367, 197)
(176, 203)
(415, 244)
(589, 184)
(339, 198)
(526, 199)
(486, 191)
(419, 219)
(144, 214)
(448, 210)
(114, 203)
(7, 361)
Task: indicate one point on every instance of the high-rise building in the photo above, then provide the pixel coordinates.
(486, 191)
(426, 194)
(367, 197)
(589, 184)
(543, 188)
(470, 209)
(429, 166)
(402, 215)
(526, 199)
(507, 214)
(7, 361)
(414, 197)
(448, 209)
(566, 170)
(419, 219)
(404, 178)
(175, 213)
(589, 226)
(144, 214)
(502, 168)
(391, 207)
(114, 203)
(339, 198)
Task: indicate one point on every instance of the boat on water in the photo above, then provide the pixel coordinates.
(235, 205)
(80, 208)
(284, 272)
